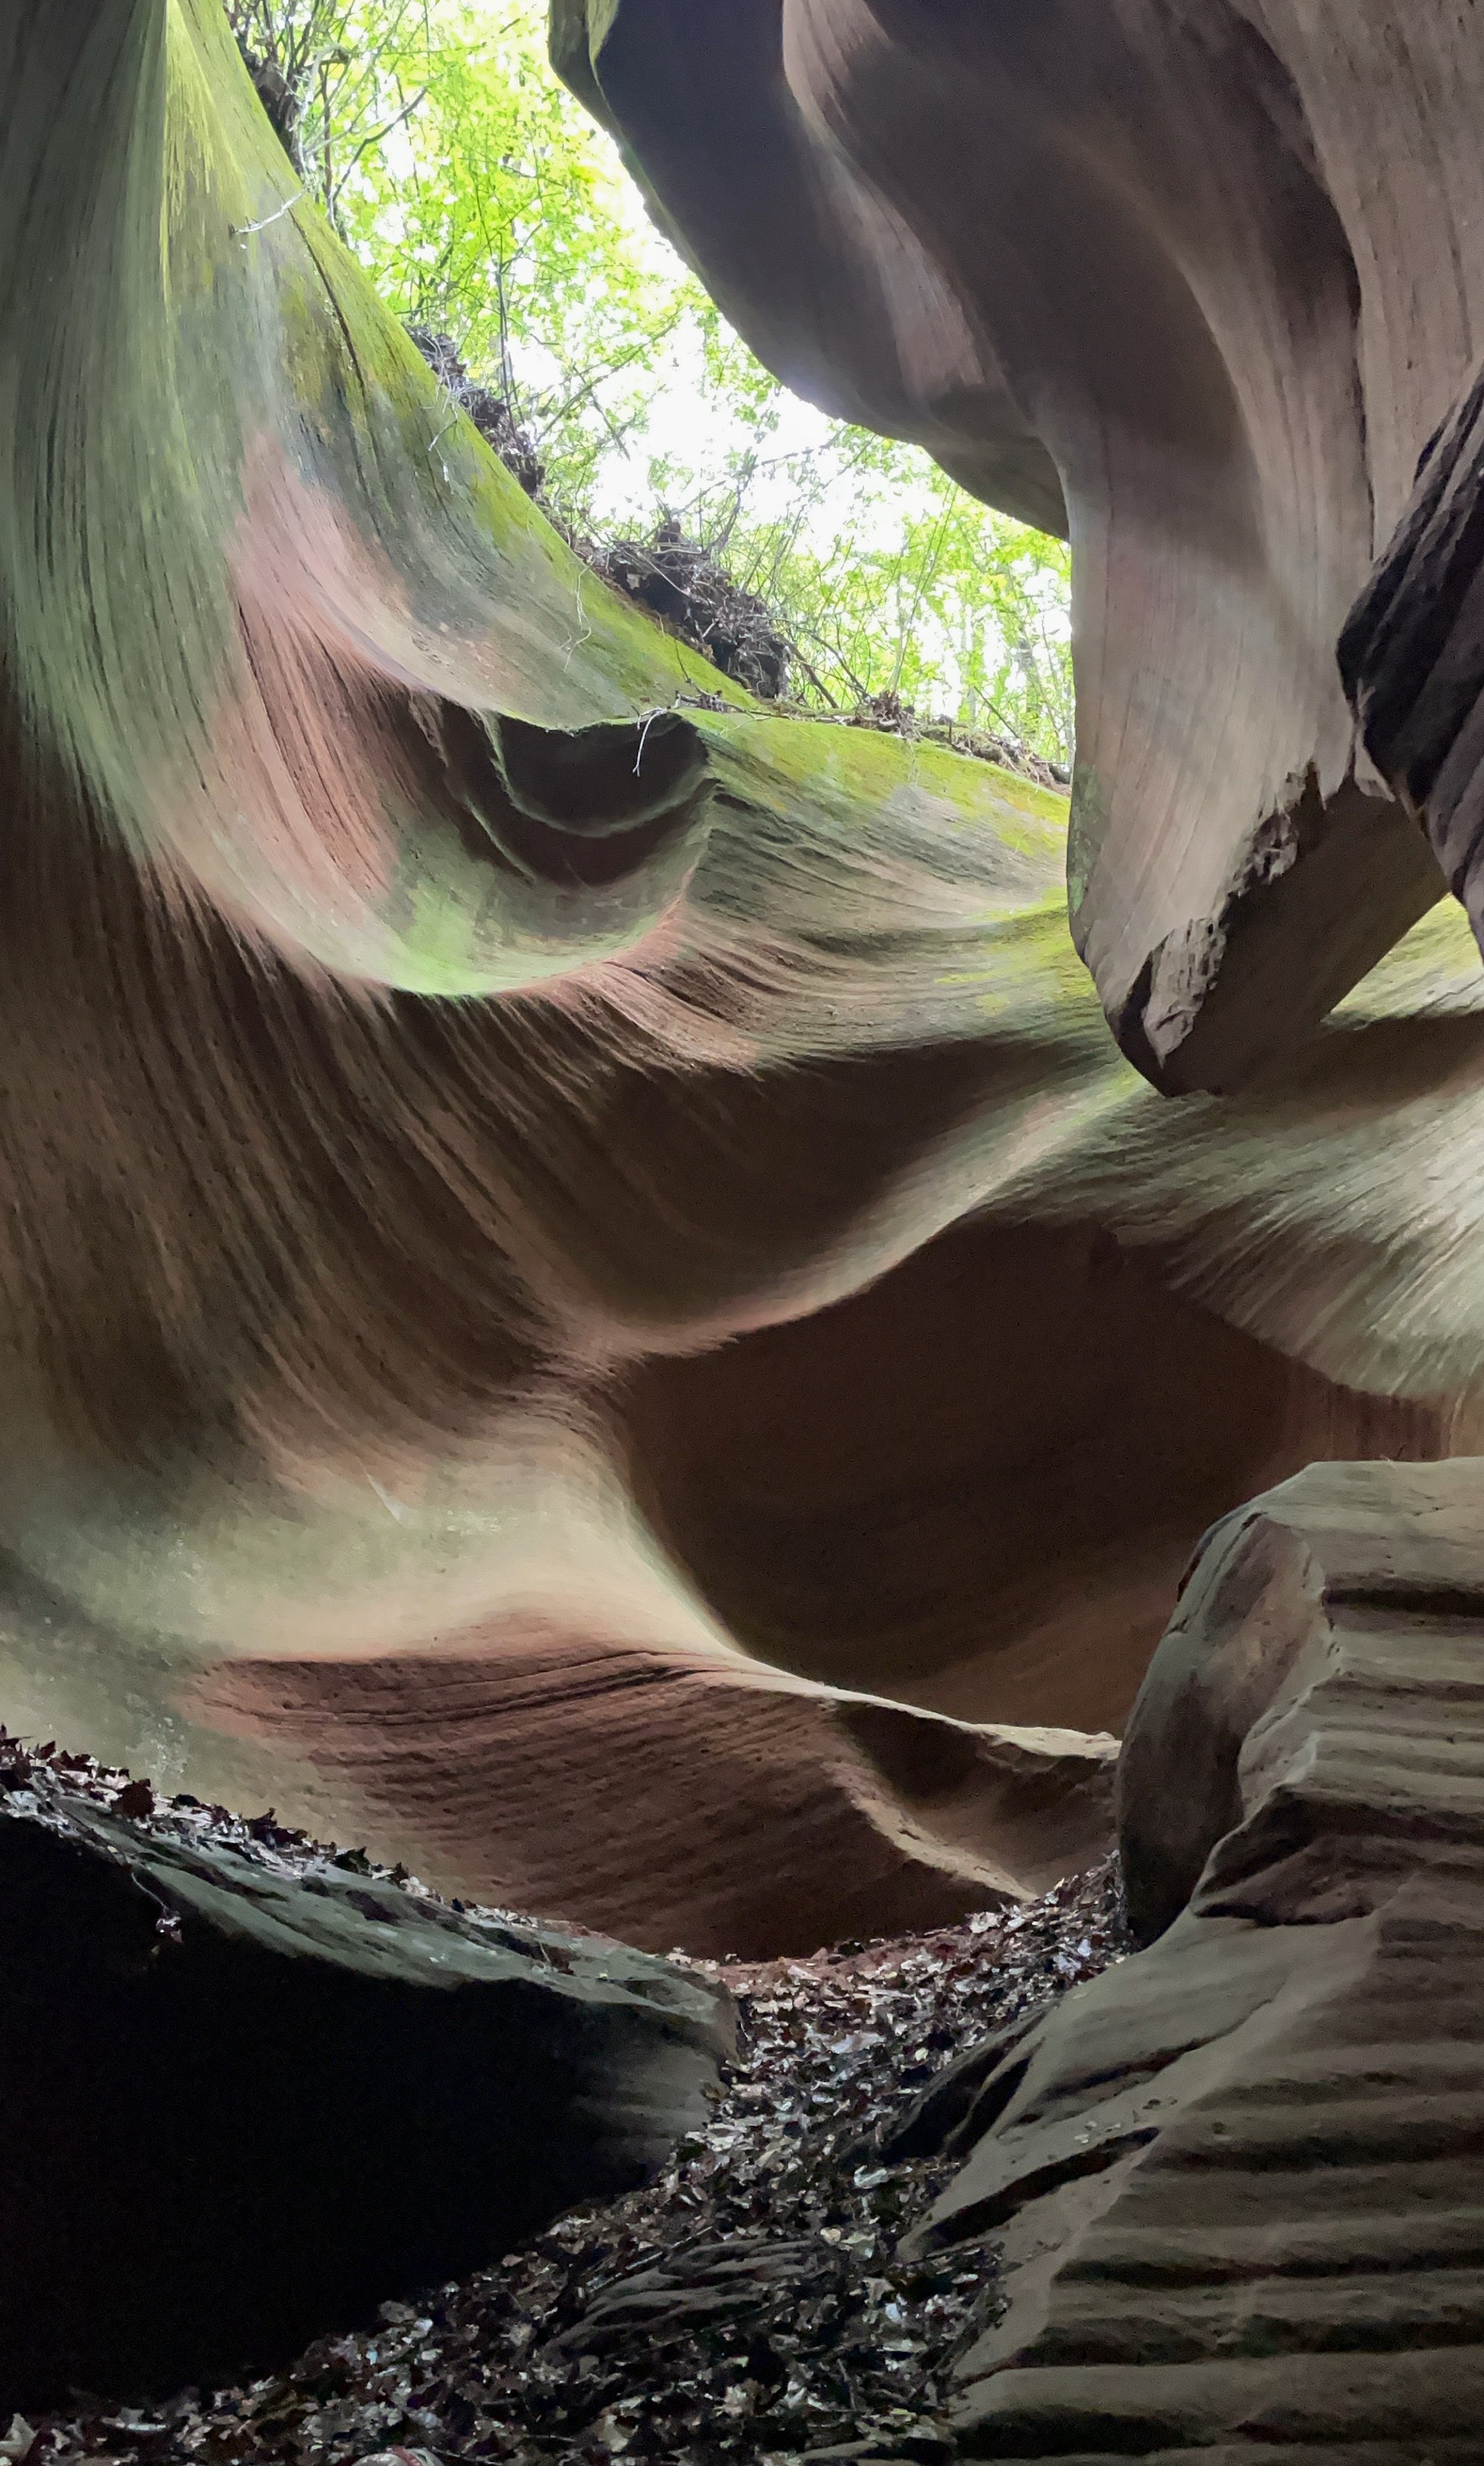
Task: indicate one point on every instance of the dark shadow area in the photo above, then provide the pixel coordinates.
(229, 2148)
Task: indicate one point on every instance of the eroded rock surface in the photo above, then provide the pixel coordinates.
(1173, 282)
(251, 2090)
(1238, 2177)
(764, 1815)
(1413, 654)
(518, 1156)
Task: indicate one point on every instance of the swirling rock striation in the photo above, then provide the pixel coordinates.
(724, 1808)
(550, 1204)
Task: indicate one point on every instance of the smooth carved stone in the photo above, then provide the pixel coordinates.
(1238, 2177)
(966, 1467)
(1169, 280)
(241, 2107)
(805, 1816)
(506, 1138)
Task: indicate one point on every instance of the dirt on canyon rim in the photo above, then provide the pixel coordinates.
(750, 2305)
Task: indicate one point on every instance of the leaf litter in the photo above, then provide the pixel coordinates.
(750, 2307)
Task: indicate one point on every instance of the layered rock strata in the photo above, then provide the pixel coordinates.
(1237, 2178)
(249, 2095)
(722, 1809)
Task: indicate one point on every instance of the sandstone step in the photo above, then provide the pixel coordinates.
(1139, 2410)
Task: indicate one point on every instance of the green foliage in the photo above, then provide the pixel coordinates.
(891, 581)
(330, 72)
(486, 206)
(495, 224)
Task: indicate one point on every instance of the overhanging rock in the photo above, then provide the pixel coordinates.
(247, 2096)
(1169, 280)
(526, 1169)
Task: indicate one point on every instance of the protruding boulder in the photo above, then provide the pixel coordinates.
(1348, 1578)
(1237, 2176)
(250, 2092)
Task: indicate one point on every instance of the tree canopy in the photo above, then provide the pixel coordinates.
(488, 209)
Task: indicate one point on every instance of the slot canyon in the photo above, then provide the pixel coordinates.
(674, 1319)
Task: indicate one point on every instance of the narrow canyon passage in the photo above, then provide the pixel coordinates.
(684, 1356)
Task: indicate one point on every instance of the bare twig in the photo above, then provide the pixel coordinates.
(242, 230)
(374, 138)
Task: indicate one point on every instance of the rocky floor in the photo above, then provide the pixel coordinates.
(748, 2306)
